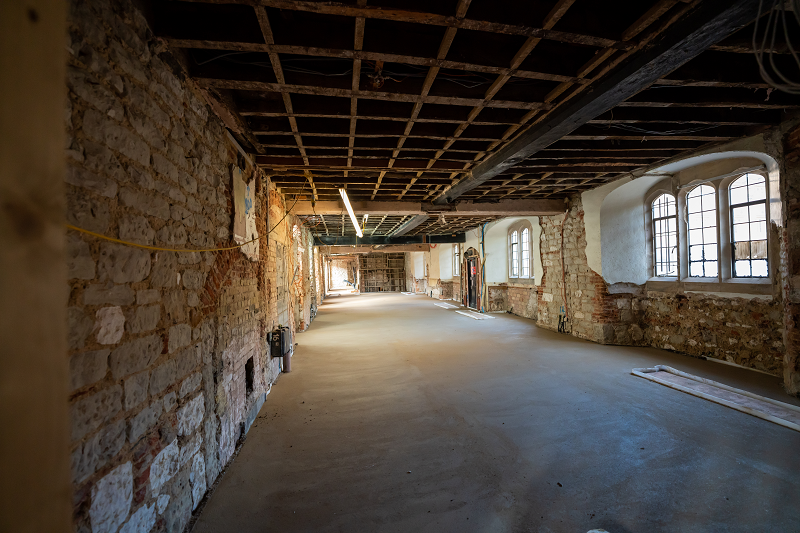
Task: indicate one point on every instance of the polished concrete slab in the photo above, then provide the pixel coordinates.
(401, 416)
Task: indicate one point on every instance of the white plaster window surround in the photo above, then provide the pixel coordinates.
(707, 212)
(520, 251)
(456, 260)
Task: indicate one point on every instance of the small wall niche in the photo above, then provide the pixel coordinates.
(249, 374)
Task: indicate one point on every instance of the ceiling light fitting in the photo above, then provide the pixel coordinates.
(349, 207)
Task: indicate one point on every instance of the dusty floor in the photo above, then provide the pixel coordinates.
(403, 416)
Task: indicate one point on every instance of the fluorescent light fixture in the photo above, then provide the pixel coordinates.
(350, 212)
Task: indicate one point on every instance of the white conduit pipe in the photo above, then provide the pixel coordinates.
(642, 373)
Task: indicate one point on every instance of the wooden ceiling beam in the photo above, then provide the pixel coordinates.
(365, 55)
(708, 23)
(430, 19)
(261, 86)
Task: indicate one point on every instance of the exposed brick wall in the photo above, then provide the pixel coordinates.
(450, 290)
(587, 304)
(159, 341)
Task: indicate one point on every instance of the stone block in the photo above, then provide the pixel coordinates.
(192, 299)
(87, 212)
(148, 203)
(170, 400)
(197, 477)
(110, 325)
(147, 129)
(108, 293)
(146, 103)
(141, 178)
(89, 412)
(175, 305)
(175, 105)
(190, 384)
(93, 93)
(103, 161)
(123, 59)
(165, 270)
(164, 466)
(136, 389)
(172, 192)
(144, 420)
(87, 368)
(111, 500)
(135, 228)
(79, 327)
(145, 318)
(202, 240)
(179, 336)
(142, 521)
(188, 360)
(123, 264)
(148, 296)
(193, 279)
(163, 166)
(80, 264)
(135, 355)
(191, 448)
(182, 215)
(191, 415)
(172, 235)
(162, 377)
(189, 258)
(179, 510)
(100, 128)
(162, 502)
(80, 177)
(188, 183)
(98, 451)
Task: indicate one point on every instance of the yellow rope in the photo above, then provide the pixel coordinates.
(112, 239)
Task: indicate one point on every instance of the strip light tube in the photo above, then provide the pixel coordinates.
(350, 212)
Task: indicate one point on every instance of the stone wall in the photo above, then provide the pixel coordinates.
(790, 259)
(168, 352)
(450, 290)
(747, 332)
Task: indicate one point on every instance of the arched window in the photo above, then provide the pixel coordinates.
(748, 204)
(514, 254)
(665, 236)
(525, 258)
(701, 207)
(456, 259)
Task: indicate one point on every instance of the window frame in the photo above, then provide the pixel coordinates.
(725, 281)
(652, 236)
(520, 229)
(456, 260)
(731, 251)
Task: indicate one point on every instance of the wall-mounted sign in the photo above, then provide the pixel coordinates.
(244, 214)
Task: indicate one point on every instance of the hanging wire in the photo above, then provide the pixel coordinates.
(775, 25)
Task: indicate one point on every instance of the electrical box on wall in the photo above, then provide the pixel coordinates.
(280, 341)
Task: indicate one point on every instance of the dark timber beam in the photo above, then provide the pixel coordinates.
(709, 23)
(324, 240)
(410, 225)
(505, 208)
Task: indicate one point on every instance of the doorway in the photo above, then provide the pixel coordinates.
(471, 274)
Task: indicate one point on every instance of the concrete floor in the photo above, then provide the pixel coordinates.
(405, 417)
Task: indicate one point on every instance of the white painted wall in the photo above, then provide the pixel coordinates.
(592, 203)
(419, 264)
(496, 248)
(622, 216)
(433, 265)
(445, 261)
